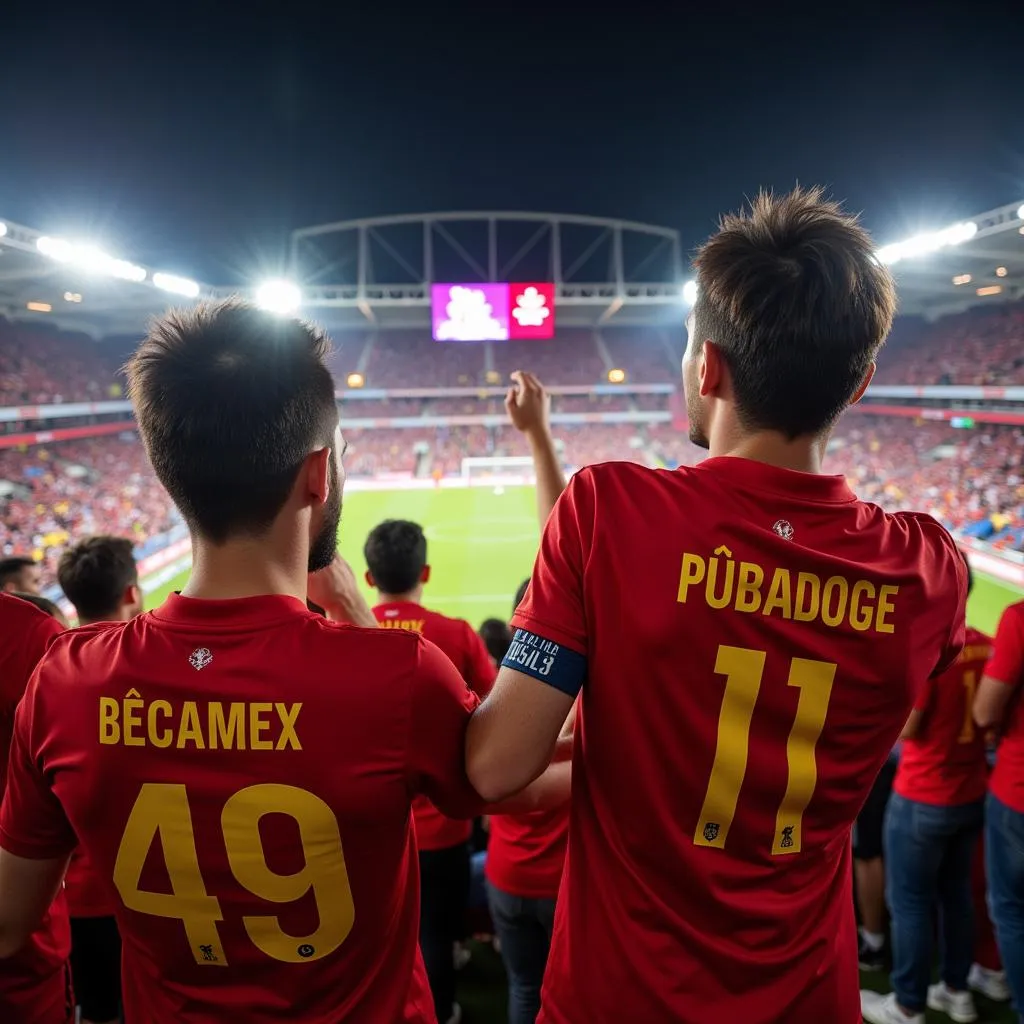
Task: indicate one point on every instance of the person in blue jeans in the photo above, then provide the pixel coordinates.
(932, 824)
(1004, 867)
(998, 706)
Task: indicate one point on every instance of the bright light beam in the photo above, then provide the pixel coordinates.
(278, 296)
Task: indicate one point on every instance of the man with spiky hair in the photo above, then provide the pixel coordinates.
(746, 638)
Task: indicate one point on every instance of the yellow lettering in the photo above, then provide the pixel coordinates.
(158, 737)
(748, 590)
(110, 730)
(834, 585)
(692, 572)
(288, 715)
(779, 595)
(861, 615)
(229, 734)
(719, 601)
(188, 727)
(132, 705)
(885, 607)
(259, 725)
(807, 587)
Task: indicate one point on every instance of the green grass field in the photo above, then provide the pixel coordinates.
(481, 547)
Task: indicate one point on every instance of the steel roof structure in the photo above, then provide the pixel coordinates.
(376, 272)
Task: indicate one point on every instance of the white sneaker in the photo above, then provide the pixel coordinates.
(878, 1009)
(456, 1017)
(958, 1006)
(989, 983)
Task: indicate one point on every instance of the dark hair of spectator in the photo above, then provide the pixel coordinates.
(95, 573)
(793, 297)
(44, 604)
(497, 638)
(12, 567)
(230, 400)
(396, 554)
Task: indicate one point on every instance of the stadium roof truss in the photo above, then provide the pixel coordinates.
(376, 272)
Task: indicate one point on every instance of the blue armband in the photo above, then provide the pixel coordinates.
(547, 661)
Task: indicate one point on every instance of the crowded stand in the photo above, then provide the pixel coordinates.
(648, 357)
(572, 358)
(410, 359)
(64, 490)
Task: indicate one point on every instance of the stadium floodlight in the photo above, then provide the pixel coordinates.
(931, 241)
(178, 285)
(1020, 211)
(89, 258)
(278, 296)
(690, 292)
(3, 229)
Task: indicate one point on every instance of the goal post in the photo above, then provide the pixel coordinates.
(481, 469)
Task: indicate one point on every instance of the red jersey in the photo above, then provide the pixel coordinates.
(240, 775)
(85, 893)
(34, 983)
(1007, 667)
(945, 765)
(749, 641)
(526, 852)
(465, 649)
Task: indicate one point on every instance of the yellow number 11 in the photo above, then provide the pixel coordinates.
(743, 670)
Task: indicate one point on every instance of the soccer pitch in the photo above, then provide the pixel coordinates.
(481, 546)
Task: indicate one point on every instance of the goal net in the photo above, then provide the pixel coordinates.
(481, 469)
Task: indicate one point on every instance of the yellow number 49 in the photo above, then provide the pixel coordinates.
(743, 670)
(162, 811)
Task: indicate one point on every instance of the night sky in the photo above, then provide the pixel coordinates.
(194, 139)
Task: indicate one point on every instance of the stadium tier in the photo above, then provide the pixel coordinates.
(981, 346)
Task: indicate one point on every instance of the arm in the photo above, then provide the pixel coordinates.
(1004, 673)
(513, 734)
(336, 591)
(36, 839)
(529, 408)
(27, 888)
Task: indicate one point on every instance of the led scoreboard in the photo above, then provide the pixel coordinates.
(492, 312)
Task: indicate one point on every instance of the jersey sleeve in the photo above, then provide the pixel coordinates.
(550, 638)
(32, 820)
(35, 631)
(442, 706)
(480, 670)
(1007, 662)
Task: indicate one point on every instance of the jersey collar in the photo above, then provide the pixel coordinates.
(775, 480)
(240, 611)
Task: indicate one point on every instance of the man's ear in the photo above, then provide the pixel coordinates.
(368, 576)
(132, 596)
(711, 369)
(859, 393)
(317, 475)
(425, 575)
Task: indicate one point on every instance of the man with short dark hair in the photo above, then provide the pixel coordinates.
(20, 574)
(397, 567)
(747, 638)
(226, 761)
(100, 578)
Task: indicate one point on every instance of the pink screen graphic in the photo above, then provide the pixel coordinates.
(492, 312)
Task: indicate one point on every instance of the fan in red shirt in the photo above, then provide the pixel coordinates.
(100, 579)
(35, 983)
(932, 825)
(747, 638)
(397, 568)
(998, 705)
(239, 771)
